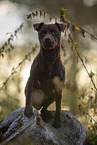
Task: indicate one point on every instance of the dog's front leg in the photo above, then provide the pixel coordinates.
(28, 92)
(57, 119)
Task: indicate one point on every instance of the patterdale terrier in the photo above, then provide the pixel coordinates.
(47, 74)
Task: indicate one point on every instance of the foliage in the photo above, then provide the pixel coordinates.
(14, 70)
(93, 105)
(84, 107)
(7, 46)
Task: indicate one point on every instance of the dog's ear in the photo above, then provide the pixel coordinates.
(37, 26)
(61, 26)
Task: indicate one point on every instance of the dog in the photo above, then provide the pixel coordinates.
(47, 74)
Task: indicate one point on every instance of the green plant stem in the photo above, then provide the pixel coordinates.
(89, 115)
(85, 68)
(15, 69)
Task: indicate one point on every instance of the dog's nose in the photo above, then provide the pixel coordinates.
(48, 39)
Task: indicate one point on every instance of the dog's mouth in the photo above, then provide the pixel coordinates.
(48, 43)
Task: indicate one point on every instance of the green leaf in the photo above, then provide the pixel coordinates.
(76, 43)
(40, 13)
(91, 74)
(8, 49)
(91, 97)
(3, 47)
(5, 43)
(55, 20)
(2, 55)
(82, 32)
(33, 14)
(44, 14)
(36, 13)
(13, 69)
(9, 40)
(69, 40)
(83, 106)
(8, 33)
(89, 128)
(11, 36)
(20, 63)
(50, 19)
(28, 16)
(21, 26)
(63, 11)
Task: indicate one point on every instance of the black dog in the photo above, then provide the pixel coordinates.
(47, 74)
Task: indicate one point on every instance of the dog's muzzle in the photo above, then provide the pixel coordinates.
(48, 43)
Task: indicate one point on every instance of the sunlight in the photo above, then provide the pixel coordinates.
(89, 3)
(82, 77)
(6, 7)
(25, 73)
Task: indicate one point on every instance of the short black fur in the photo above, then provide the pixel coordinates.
(47, 74)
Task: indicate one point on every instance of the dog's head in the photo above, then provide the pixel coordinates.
(49, 34)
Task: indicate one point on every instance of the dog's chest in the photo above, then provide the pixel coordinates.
(46, 71)
(45, 80)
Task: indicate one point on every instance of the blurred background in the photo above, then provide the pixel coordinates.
(78, 90)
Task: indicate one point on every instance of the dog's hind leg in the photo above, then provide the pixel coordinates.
(44, 112)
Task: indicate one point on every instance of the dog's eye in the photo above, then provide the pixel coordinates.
(54, 32)
(43, 33)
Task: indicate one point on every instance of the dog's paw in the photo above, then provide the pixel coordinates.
(46, 115)
(57, 123)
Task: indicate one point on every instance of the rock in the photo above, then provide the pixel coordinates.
(17, 129)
